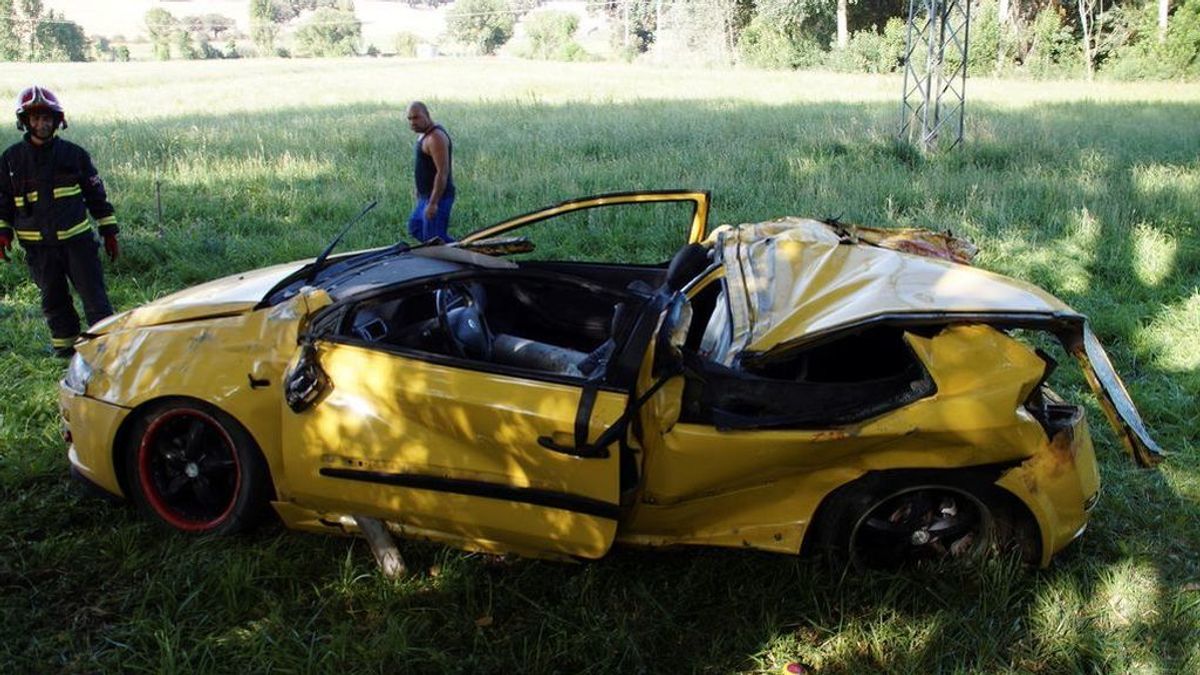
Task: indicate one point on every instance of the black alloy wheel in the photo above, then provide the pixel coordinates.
(196, 469)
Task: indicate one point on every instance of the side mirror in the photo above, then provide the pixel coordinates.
(305, 383)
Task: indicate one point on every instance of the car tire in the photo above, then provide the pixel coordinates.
(195, 469)
(891, 519)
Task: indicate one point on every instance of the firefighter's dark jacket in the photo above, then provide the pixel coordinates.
(47, 191)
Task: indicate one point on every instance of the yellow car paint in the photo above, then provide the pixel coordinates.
(388, 417)
(761, 488)
(177, 360)
(394, 431)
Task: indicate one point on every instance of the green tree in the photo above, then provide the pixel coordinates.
(635, 23)
(27, 33)
(794, 17)
(58, 39)
(1180, 45)
(160, 26)
(766, 45)
(182, 41)
(330, 32)
(484, 25)
(10, 40)
(263, 29)
(406, 44)
(215, 24)
(551, 34)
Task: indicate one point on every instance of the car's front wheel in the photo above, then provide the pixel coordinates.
(196, 469)
(890, 520)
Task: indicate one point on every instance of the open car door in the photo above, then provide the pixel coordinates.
(591, 229)
(462, 450)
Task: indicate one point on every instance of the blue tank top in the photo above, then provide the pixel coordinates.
(424, 169)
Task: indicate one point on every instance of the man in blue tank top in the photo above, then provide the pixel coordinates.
(433, 175)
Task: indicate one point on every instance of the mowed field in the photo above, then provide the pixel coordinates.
(1089, 190)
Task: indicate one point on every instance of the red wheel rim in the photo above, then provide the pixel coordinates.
(188, 469)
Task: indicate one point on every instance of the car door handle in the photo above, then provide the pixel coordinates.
(586, 452)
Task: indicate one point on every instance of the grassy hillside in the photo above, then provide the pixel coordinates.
(1092, 191)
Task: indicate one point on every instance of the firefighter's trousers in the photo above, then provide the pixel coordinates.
(77, 260)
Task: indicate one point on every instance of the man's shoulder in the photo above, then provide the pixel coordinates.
(12, 149)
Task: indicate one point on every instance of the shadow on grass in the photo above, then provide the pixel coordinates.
(1063, 198)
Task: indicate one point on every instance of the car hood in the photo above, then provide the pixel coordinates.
(792, 280)
(228, 296)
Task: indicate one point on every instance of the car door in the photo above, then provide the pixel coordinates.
(463, 451)
(624, 227)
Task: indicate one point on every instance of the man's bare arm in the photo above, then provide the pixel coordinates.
(439, 151)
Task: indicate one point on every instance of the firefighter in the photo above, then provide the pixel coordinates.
(47, 188)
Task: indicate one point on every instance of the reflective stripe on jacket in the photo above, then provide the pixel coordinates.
(47, 192)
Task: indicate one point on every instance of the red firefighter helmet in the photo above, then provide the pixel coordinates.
(35, 98)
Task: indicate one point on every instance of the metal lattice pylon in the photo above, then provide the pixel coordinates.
(935, 71)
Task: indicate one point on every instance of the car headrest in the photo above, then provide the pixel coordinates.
(688, 262)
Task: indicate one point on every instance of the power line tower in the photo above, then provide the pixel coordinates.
(935, 72)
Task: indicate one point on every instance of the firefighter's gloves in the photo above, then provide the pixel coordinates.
(5, 247)
(110, 247)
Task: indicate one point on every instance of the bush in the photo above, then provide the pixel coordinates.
(550, 33)
(869, 51)
(1053, 51)
(406, 44)
(764, 46)
(985, 38)
(895, 38)
(1137, 53)
(1181, 49)
(483, 25)
(573, 51)
(205, 50)
(330, 32)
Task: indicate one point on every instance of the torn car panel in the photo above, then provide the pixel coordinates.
(1114, 399)
(791, 284)
(790, 278)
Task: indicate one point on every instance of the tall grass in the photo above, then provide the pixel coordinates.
(1092, 191)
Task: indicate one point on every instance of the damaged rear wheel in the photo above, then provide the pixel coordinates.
(886, 521)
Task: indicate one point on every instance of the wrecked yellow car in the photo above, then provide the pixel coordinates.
(784, 386)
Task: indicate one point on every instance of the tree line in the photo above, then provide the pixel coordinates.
(30, 32)
(1041, 38)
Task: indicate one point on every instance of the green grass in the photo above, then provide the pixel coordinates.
(1090, 190)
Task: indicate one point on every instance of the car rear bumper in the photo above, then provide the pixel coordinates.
(1060, 484)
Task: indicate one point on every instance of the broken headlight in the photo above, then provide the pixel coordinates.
(79, 373)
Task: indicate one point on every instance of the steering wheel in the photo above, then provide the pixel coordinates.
(460, 317)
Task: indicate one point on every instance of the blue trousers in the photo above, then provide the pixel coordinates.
(423, 230)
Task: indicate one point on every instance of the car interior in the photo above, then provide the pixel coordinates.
(563, 319)
(544, 323)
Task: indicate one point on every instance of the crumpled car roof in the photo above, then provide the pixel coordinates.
(793, 277)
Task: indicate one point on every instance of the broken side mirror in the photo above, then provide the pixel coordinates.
(306, 382)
